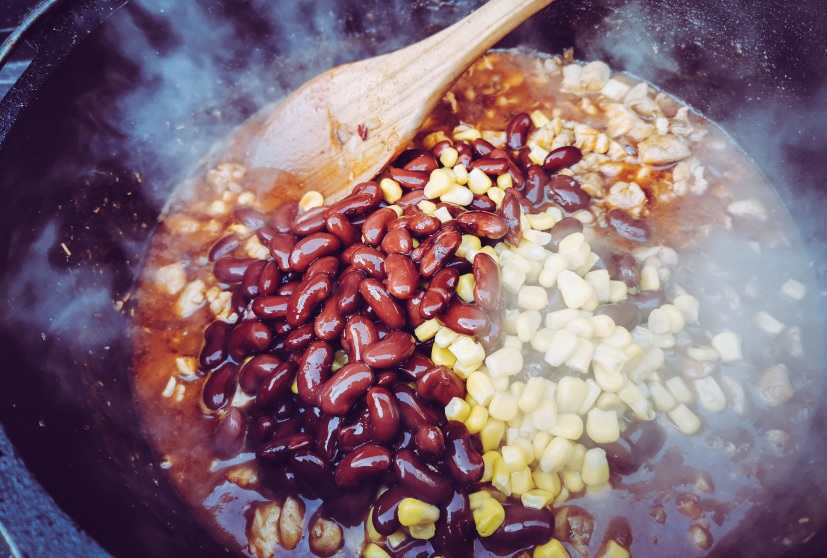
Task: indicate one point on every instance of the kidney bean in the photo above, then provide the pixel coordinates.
(266, 233)
(276, 385)
(311, 248)
(270, 307)
(411, 198)
(414, 412)
(523, 158)
(371, 189)
(492, 167)
(262, 428)
(288, 426)
(362, 464)
(349, 297)
(463, 461)
(646, 301)
(279, 448)
(454, 210)
(423, 163)
(402, 221)
(283, 217)
(224, 247)
(369, 261)
(248, 337)
(416, 366)
(351, 506)
(300, 337)
(355, 434)
(466, 154)
(441, 252)
(314, 221)
(491, 338)
(561, 158)
(249, 282)
(254, 371)
(383, 415)
(516, 133)
(339, 226)
(430, 442)
(440, 385)
(231, 270)
(626, 226)
(214, 351)
(419, 252)
(347, 254)
(440, 146)
(425, 484)
(306, 299)
(314, 471)
(402, 279)
(249, 217)
(623, 313)
(390, 351)
(482, 203)
(268, 281)
(566, 192)
(423, 224)
(622, 266)
(282, 328)
(454, 537)
(384, 517)
(397, 241)
(638, 445)
(486, 281)
(410, 180)
(412, 308)
(286, 408)
(385, 378)
(483, 224)
(314, 370)
(439, 292)
(220, 386)
(535, 187)
(517, 178)
(329, 324)
(465, 318)
(359, 334)
(344, 388)
(380, 300)
(229, 436)
(562, 229)
(280, 247)
(510, 212)
(311, 418)
(376, 225)
(327, 436)
(522, 528)
(328, 265)
(481, 148)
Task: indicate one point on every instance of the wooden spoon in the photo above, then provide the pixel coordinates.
(344, 126)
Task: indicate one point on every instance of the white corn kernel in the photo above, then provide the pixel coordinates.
(576, 461)
(592, 393)
(391, 190)
(466, 350)
(513, 279)
(539, 443)
(504, 362)
(794, 289)
(539, 119)
(427, 329)
(538, 155)
(514, 457)
(634, 398)
(563, 346)
(541, 340)
(582, 357)
(595, 467)
(710, 394)
(459, 195)
(541, 221)
(460, 175)
(601, 283)
(478, 181)
(500, 384)
(568, 426)
(479, 387)
(581, 327)
(544, 415)
(528, 323)
(443, 214)
(504, 181)
(457, 409)
(768, 323)
(512, 341)
(686, 421)
(449, 157)
(728, 345)
(664, 401)
(703, 354)
(690, 307)
(445, 336)
(311, 200)
(649, 279)
(427, 207)
(497, 195)
(679, 390)
(603, 325)
(503, 406)
(556, 455)
(530, 397)
(602, 426)
(617, 291)
(658, 321)
(575, 290)
(571, 392)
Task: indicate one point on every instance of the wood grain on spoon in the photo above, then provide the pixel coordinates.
(344, 126)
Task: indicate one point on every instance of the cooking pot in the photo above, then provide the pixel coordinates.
(123, 98)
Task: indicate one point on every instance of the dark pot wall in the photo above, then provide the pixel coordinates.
(90, 147)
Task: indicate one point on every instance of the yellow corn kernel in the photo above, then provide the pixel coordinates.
(504, 181)
(396, 209)
(440, 182)
(449, 157)
(547, 481)
(469, 242)
(478, 181)
(464, 370)
(423, 532)
(370, 531)
(552, 549)
(460, 175)
(477, 419)
(539, 443)
(521, 482)
(311, 200)
(480, 388)
(416, 512)
(496, 194)
(457, 409)
(294, 387)
(396, 539)
(427, 329)
(391, 189)
(503, 406)
(613, 550)
(489, 458)
(442, 357)
(466, 133)
(556, 455)
(477, 499)
(576, 461)
(572, 480)
(595, 467)
(427, 207)
(501, 479)
(339, 360)
(539, 119)
(488, 517)
(536, 498)
(375, 551)
(514, 457)
(492, 434)
(465, 287)
(538, 155)
(443, 214)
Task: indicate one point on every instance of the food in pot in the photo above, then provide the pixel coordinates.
(570, 319)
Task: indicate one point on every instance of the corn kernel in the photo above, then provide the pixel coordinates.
(478, 182)
(649, 280)
(465, 287)
(460, 175)
(551, 549)
(477, 419)
(294, 387)
(479, 386)
(602, 426)
(466, 133)
(442, 357)
(492, 434)
(391, 190)
(477, 499)
(686, 421)
(503, 406)
(423, 532)
(339, 359)
(427, 329)
(374, 551)
(489, 458)
(457, 409)
(538, 155)
(556, 455)
(440, 182)
(504, 362)
(521, 481)
(464, 370)
(394, 540)
(576, 461)
(311, 200)
(445, 336)
(728, 345)
(536, 498)
(613, 550)
(427, 207)
(544, 415)
(549, 482)
(539, 443)
(371, 533)
(449, 157)
(469, 243)
(572, 480)
(531, 394)
(501, 477)
(571, 392)
(505, 181)
(568, 426)
(497, 195)
(459, 195)
(595, 467)
(488, 517)
(514, 457)
(539, 119)
(416, 512)
(443, 214)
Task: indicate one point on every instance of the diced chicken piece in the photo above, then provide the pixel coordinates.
(615, 89)
(191, 299)
(263, 530)
(571, 77)
(221, 305)
(255, 249)
(243, 476)
(620, 119)
(639, 91)
(662, 149)
(774, 386)
(171, 277)
(628, 196)
(226, 176)
(748, 208)
(290, 523)
(645, 107)
(594, 75)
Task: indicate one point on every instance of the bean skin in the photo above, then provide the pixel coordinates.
(271, 307)
(327, 436)
(280, 247)
(369, 261)
(359, 334)
(622, 266)
(465, 318)
(416, 366)
(306, 299)
(424, 162)
(516, 133)
(454, 536)
(386, 308)
(626, 226)
(466, 154)
(339, 226)
(311, 222)
(425, 484)
(390, 351)
(422, 225)
(522, 528)
(215, 344)
(491, 167)
(328, 265)
(487, 281)
(414, 412)
(567, 193)
(624, 313)
(482, 203)
(329, 324)
(384, 516)
(372, 189)
(231, 270)
(441, 146)
(224, 247)
(463, 461)
(355, 434)
(442, 250)
(344, 388)
(376, 225)
(362, 464)
(355, 205)
(411, 198)
(347, 254)
(430, 443)
(248, 337)
(314, 471)
(283, 217)
(413, 308)
(403, 279)
(397, 241)
(314, 370)
(279, 448)
(510, 212)
(440, 385)
(562, 158)
(482, 148)
(254, 372)
(483, 224)
(300, 337)
(562, 229)
(410, 180)
(349, 298)
(228, 438)
(312, 248)
(383, 415)
(268, 281)
(220, 386)
(276, 385)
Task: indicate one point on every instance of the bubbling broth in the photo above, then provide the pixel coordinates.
(572, 318)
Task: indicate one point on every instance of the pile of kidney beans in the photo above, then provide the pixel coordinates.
(347, 277)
